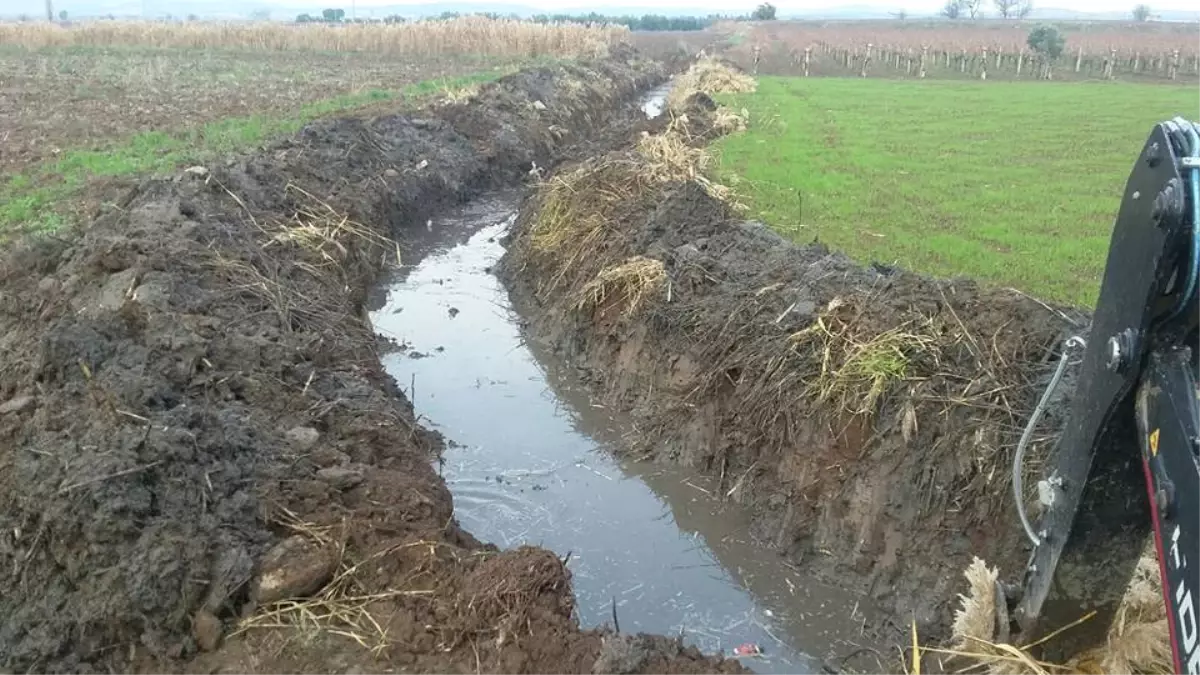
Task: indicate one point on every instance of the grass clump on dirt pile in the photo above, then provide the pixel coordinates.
(857, 370)
(1137, 641)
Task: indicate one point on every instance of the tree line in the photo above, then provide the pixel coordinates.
(1011, 9)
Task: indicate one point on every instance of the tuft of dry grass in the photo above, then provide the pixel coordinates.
(670, 156)
(1137, 640)
(323, 231)
(464, 35)
(632, 282)
(710, 76)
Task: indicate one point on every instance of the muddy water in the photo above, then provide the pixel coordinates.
(531, 463)
(654, 103)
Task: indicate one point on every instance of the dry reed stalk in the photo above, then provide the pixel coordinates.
(464, 35)
(1137, 640)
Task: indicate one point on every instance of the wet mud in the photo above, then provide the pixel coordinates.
(203, 466)
(865, 415)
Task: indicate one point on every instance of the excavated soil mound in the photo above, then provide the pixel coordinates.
(202, 463)
(866, 414)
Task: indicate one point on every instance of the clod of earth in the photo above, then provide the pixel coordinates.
(295, 567)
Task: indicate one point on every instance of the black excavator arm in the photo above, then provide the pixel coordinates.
(1136, 390)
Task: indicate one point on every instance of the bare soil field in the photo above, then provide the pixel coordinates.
(63, 98)
(204, 466)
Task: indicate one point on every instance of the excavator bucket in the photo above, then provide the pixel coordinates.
(1115, 482)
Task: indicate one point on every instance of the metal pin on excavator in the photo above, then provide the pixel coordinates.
(1136, 389)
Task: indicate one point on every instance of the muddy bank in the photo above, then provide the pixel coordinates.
(202, 464)
(867, 415)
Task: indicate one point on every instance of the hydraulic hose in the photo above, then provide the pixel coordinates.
(1019, 459)
(1193, 270)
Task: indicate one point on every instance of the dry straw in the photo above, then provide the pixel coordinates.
(710, 76)
(460, 36)
(1137, 640)
(628, 285)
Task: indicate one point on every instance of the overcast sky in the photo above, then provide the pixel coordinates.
(36, 7)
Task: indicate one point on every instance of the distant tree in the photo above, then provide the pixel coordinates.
(193, 17)
(62, 15)
(953, 9)
(974, 8)
(901, 15)
(1141, 13)
(1006, 8)
(339, 14)
(261, 14)
(1047, 42)
(764, 12)
(1024, 9)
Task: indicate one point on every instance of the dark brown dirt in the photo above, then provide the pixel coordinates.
(194, 420)
(721, 369)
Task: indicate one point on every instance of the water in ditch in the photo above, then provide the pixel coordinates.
(532, 462)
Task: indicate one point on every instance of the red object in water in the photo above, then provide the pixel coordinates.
(747, 649)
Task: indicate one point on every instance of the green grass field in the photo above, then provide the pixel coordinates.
(1013, 183)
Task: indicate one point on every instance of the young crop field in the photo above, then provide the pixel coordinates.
(1013, 183)
(86, 107)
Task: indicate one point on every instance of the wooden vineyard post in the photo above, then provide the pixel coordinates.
(924, 54)
(983, 64)
(947, 53)
(757, 55)
(1078, 59)
(1020, 61)
(962, 65)
(999, 53)
(807, 56)
(908, 65)
(1174, 71)
(866, 61)
(1137, 60)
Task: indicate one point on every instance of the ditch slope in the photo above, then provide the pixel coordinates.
(867, 415)
(202, 464)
